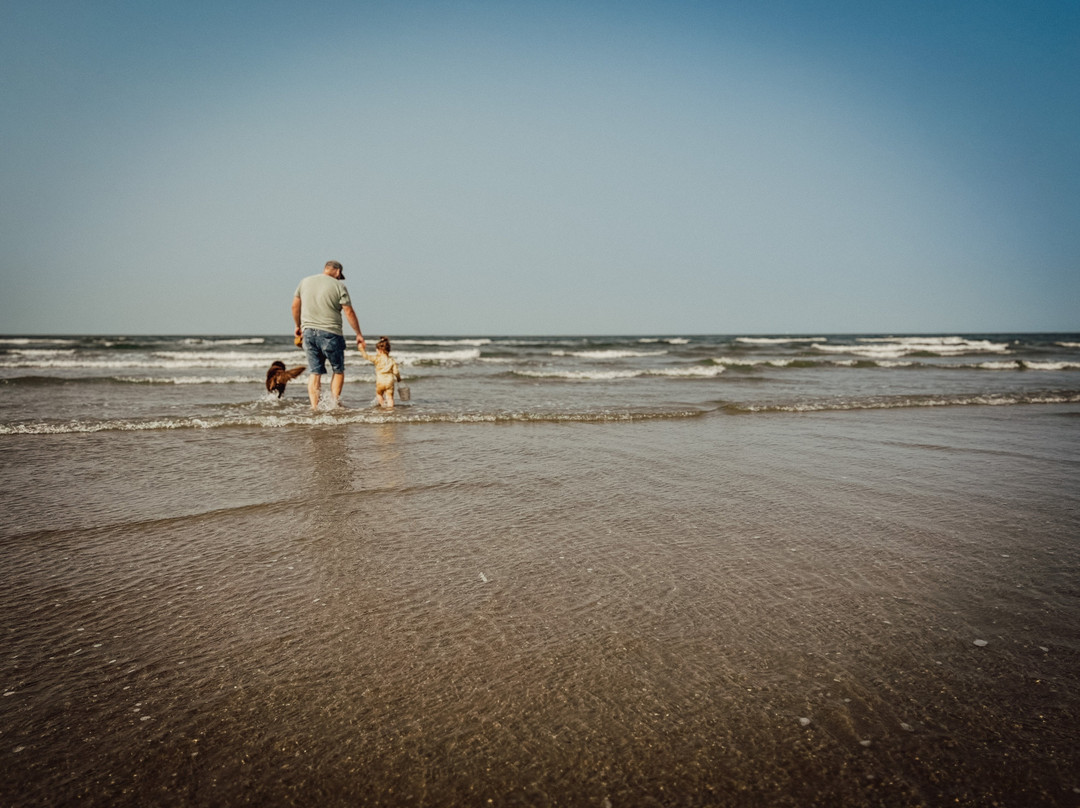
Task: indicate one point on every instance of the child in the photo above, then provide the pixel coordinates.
(386, 372)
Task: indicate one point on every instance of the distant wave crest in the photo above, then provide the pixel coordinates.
(688, 371)
(896, 347)
(777, 340)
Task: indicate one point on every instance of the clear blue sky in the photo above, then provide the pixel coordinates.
(542, 167)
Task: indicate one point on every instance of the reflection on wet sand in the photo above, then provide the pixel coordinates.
(744, 612)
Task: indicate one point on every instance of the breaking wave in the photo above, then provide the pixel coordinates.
(777, 340)
(610, 353)
(693, 371)
(895, 347)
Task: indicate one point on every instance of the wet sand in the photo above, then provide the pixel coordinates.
(873, 609)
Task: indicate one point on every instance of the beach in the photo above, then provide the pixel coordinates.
(812, 577)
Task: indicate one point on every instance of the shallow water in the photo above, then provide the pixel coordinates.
(143, 384)
(759, 609)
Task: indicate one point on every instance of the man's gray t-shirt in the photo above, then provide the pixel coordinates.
(321, 299)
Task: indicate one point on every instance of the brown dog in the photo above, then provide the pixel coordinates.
(277, 377)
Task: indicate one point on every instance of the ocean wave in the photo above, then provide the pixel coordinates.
(353, 376)
(40, 353)
(1028, 364)
(36, 341)
(778, 340)
(748, 362)
(339, 418)
(134, 363)
(194, 357)
(906, 402)
(437, 358)
(894, 347)
(878, 362)
(690, 371)
(609, 353)
(230, 341)
(188, 379)
(579, 375)
(445, 343)
(668, 340)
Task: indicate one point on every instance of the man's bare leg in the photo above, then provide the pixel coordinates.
(337, 384)
(314, 385)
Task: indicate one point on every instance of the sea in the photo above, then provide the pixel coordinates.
(647, 570)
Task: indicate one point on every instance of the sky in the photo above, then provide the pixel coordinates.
(502, 168)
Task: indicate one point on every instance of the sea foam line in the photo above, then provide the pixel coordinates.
(367, 416)
(840, 405)
(230, 341)
(778, 340)
(609, 353)
(445, 343)
(695, 371)
(36, 341)
(942, 346)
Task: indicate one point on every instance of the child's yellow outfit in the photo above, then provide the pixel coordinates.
(386, 371)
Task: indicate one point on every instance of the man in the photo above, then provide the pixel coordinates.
(316, 310)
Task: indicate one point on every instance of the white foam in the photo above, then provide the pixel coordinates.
(196, 357)
(330, 417)
(942, 346)
(189, 379)
(1050, 365)
(738, 361)
(611, 353)
(1005, 365)
(32, 341)
(694, 371)
(41, 353)
(778, 340)
(157, 362)
(60, 363)
(580, 375)
(895, 348)
(413, 358)
(444, 343)
(234, 341)
(990, 400)
(1023, 364)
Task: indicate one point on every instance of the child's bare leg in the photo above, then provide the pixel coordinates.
(389, 399)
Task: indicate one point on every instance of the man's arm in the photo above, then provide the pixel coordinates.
(350, 315)
(296, 314)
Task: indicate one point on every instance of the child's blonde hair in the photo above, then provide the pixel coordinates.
(383, 344)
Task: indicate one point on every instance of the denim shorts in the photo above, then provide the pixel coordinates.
(320, 346)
